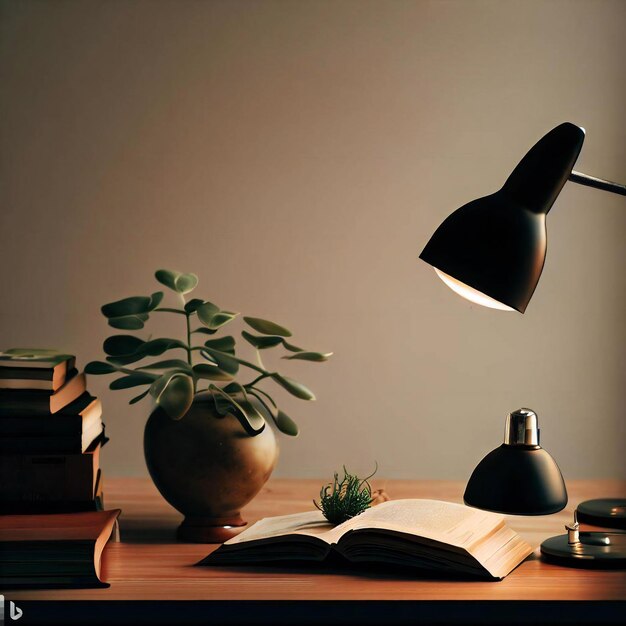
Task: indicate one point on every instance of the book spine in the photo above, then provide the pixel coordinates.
(44, 479)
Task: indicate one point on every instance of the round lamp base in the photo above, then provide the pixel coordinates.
(601, 550)
(606, 512)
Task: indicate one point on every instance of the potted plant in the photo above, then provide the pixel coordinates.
(207, 445)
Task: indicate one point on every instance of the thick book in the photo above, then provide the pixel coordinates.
(54, 551)
(72, 420)
(46, 482)
(34, 369)
(422, 534)
(77, 443)
(14, 402)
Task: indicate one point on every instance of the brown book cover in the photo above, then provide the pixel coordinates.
(15, 402)
(22, 368)
(41, 481)
(75, 418)
(52, 551)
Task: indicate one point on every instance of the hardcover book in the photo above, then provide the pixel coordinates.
(14, 402)
(421, 534)
(34, 369)
(45, 482)
(53, 551)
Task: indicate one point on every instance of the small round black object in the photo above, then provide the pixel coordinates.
(606, 512)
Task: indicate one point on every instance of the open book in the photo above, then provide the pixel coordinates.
(425, 534)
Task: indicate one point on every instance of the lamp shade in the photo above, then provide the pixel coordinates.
(519, 477)
(496, 245)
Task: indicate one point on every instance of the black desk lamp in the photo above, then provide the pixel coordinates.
(492, 251)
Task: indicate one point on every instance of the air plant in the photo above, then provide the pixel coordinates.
(201, 361)
(345, 498)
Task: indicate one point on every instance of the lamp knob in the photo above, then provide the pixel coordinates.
(521, 428)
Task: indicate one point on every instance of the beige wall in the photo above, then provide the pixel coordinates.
(297, 155)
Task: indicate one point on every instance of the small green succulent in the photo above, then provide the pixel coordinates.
(345, 498)
(173, 382)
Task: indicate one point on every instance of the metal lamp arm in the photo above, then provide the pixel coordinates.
(597, 183)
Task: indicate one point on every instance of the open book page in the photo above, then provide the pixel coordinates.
(311, 524)
(446, 522)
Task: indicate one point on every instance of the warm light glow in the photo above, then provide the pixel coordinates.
(469, 293)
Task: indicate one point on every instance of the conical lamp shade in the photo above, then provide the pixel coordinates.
(519, 477)
(497, 244)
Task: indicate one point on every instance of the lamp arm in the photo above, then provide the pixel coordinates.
(597, 183)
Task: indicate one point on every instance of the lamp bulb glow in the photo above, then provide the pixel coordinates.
(469, 293)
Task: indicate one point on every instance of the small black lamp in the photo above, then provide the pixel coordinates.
(519, 477)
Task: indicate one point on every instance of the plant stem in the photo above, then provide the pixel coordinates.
(257, 379)
(188, 321)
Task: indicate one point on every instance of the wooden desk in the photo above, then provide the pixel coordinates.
(148, 564)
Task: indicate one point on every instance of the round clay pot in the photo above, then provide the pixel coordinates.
(207, 467)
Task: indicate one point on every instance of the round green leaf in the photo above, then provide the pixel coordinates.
(119, 345)
(206, 312)
(168, 364)
(310, 356)
(242, 408)
(285, 424)
(98, 367)
(167, 278)
(224, 361)
(210, 372)
(127, 306)
(132, 380)
(294, 387)
(128, 322)
(266, 327)
(193, 304)
(155, 299)
(177, 396)
(186, 283)
(223, 344)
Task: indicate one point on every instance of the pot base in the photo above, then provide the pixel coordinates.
(210, 529)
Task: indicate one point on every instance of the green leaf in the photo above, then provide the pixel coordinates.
(186, 283)
(243, 409)
(128, 322)
(176, 396)
(261, 343)
(193, 304)
(294, 387)
(224, 361)
(266, 327)
(128, 306)
(178, 364)
(122, 345)
(141, 396)
(222, 318)
(206, 312)
(285, 424)
(98, 367)
(291, 347)
(132, 380)
(156, 347)
(223, 344)
(155, 300)
(204, 331)
(310, 356)
(210, 372)
(167, 278)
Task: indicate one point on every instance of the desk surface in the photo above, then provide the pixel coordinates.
(148, 564)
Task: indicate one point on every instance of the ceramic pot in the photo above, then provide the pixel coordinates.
(207, 467)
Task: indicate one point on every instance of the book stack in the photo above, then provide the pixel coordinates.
(51, 433)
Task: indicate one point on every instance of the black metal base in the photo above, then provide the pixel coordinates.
(605, 512)
(600, 550)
